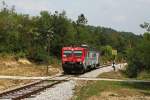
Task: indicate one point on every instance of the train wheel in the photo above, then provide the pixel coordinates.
(83, 70)
(67, 72)
(95, 66)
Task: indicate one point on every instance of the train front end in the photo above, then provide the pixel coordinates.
(72, 59)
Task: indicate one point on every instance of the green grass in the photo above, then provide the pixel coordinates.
(113, 75)
(96, 88)
(123, 89)
(121, 75)
(144, 75)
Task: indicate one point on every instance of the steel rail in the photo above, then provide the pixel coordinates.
(30, 89)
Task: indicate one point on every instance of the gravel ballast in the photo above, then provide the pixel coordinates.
(65, 90)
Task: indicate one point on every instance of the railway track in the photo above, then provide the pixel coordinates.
(36, 87)
(31, 89)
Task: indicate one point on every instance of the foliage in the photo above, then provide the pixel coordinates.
(139, 57)
(146, 26)
(106, 53)
(81, 20)
(144, 75)
(38, 37)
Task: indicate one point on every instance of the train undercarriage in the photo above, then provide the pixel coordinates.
(77, 68)
(71, 67)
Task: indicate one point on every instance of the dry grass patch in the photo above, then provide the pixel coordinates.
(6, 84)
(25, 68)
(113, 75)
(11, 67)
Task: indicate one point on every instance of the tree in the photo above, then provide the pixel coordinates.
(138, 58)
(146, 26)
(81, 20)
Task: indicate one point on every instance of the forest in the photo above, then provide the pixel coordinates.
(41, 37)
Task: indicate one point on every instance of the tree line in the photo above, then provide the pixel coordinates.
(39, 37)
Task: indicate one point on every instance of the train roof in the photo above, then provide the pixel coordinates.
(79, 47)
(74, 48)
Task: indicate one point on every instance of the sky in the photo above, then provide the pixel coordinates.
(121, 15)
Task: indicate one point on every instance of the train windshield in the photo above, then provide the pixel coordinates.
(78, 53)
(67, 53)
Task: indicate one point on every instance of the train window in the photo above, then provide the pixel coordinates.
(67, 53)
(91, 54)
(78, 53)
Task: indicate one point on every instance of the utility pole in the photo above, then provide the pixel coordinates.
(49, 37)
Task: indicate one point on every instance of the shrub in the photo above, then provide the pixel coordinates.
(20, 55)
(138, 58)
(132, 70)
(39, 55)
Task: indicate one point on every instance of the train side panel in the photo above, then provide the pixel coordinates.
(92, 59)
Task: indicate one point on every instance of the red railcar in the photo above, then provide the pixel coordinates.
(79, 59)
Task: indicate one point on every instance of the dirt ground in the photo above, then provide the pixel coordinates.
(22, 67)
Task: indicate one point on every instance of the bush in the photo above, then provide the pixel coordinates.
(138, 58)
(132, 70)
(20, 55)
(39, 55)
(132, 59)
(120, 58)
(144, 75)
(4, 55)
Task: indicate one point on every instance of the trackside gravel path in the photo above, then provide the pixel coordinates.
(65, 91)
(95, 73)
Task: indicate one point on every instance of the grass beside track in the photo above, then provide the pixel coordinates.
(100, 90)
(113, 75)
(110, 90)
(144, 76)
(121, 75)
